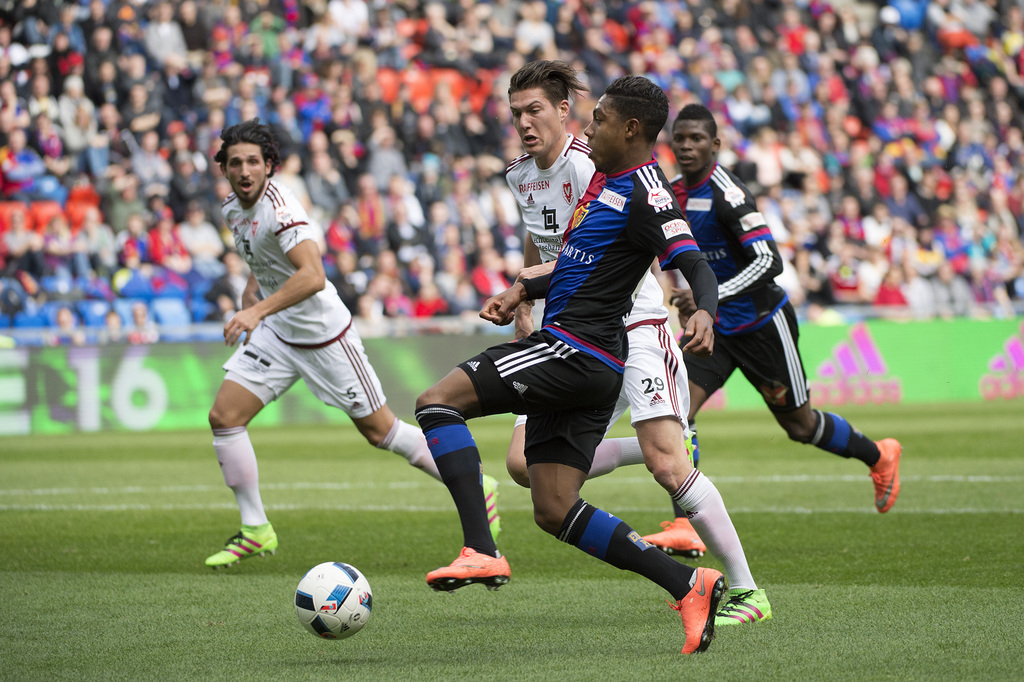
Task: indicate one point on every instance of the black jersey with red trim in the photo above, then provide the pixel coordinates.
(620, 225)
(736, 241)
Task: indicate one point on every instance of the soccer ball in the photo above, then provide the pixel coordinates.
(333, 600)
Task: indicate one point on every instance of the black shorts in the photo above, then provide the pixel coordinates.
(768, 357)
(569, 395)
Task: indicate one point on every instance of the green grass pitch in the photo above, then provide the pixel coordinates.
(102, 541)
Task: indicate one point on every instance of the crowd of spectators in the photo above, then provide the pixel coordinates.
(884, 143)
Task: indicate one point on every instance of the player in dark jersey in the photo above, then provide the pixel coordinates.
(756, 328)
(567, 375)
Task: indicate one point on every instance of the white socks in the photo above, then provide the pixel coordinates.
(408, 441)
(238, 464)
(612, 453)
(701, 498)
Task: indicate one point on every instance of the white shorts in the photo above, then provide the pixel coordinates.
(339, 373)
(654, 383)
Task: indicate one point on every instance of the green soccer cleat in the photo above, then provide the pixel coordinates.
(491, 502)
(250, 541)
(744, 606)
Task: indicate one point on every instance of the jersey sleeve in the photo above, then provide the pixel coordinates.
(657, 222)
(292, 225)
(738, 215)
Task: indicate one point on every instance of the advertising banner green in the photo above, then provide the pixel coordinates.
(172, 386)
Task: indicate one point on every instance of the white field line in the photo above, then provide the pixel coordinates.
(449, 508)
(150, 492)
(424, 483)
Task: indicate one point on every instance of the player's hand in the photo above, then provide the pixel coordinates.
(523, 321)
(500, 309)
(699, 334)
(683, 299)
(244, 321)
(535, 271)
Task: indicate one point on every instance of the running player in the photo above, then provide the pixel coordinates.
(547, 182)
(294, 325)
(567, 376)
(756, 329)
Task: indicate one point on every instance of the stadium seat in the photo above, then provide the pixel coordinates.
(84, 194)
(43, 212)
(9, 207)
(390, 84)
(93, 313)
(25, 319)
(200, 308)
(123, 306)
(76, 212)
(56, 285)
(5, 321)
(174, 318)
(171, 311)
(50, 308)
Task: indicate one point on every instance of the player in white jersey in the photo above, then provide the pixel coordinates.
(293, 325)
(547, 182)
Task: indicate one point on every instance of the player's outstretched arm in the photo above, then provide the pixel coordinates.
(698, 328)
(309, 278)
(500, 308)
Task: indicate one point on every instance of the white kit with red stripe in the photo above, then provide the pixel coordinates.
(264, 234)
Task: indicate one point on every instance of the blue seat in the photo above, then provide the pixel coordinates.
(200, 308)
(24, 319)
(171, 311)
(57, 285)
(174, 318)
(5, 321)
(50, 308)
(94, 312)
(123, 306)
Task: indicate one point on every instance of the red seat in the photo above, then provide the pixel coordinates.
(43, 212)
(9, 207)
(390, 83)
(84, 193)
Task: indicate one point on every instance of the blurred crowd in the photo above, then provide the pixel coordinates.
(883, 141)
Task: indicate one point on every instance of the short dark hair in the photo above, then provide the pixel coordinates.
(699, 112)
(638, 97)
(555, 78)
(250, 132)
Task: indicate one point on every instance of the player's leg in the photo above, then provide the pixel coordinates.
(560, 511)
(775, 367)
(659, 361)
(442, 411)
(257, 374)
(662, 439)
(515, 457)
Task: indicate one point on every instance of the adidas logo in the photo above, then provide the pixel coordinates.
(855, 374)
(657, 400)
(519, 387)
(529, 200)
(1005, 377)
(473, 364)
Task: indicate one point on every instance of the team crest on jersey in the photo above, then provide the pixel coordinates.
(284, 216)
(567, 192)
(579, 214)
(254, 225)
(734, 195)
(659, 197)
(616, 201)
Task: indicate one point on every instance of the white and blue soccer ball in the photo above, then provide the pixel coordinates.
(333, 600)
